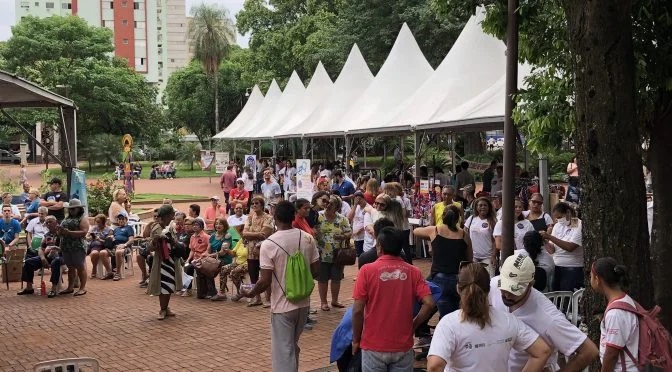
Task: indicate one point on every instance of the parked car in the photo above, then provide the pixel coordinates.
(8, 157)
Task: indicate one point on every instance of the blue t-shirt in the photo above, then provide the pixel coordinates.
(122, 234)
(8, 230)
(344, 189)
(34, 205)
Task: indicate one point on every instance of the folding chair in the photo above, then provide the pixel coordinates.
(63, 364)
(562, 300)
(575, 318)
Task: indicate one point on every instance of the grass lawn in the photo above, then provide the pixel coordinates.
(158, 198)
(183, 170)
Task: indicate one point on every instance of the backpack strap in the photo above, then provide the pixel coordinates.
(637, 310)
(287, 253)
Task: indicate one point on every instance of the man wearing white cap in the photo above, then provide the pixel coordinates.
(517, 296)
(239, 195)
(214, 211)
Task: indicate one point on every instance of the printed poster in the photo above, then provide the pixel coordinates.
(424, 187)
(207, 157)
(221, 162)
(78, 187)
(304, 186)
(251, 162)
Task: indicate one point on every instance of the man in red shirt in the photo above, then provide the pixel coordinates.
(385, 294)
(227, 182)
(238, 195)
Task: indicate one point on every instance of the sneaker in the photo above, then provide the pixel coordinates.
(422, 342)
(169, 312)
(236, 297)
(186, 293)
(219, 297)
(144, 285)
(311, 320)
(308, 327)
(162, 315)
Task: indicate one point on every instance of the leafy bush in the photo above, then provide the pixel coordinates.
(8, 184)
(100, 194)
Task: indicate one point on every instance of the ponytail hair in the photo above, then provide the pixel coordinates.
(473, 286)
(451, 216)
(611, 273)
(533, 243)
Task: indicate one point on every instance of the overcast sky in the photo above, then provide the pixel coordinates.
(7, 18)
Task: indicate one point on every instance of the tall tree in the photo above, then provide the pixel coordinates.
(211, 33)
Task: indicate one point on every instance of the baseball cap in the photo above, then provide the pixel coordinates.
(214, 197)
(240, 179)
(516, 274)
(122, 214)
(358, 193)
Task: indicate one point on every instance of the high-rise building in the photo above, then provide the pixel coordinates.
(149, 34)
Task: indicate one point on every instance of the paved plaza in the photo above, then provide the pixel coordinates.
(116, 323)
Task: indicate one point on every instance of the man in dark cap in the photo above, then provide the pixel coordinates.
(54, 199)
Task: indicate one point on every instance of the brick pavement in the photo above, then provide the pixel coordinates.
(115, 322)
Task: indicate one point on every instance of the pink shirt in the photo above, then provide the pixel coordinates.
(199, 244)
(390, 287)
(211, 214)
(274, 258)
(228, 181)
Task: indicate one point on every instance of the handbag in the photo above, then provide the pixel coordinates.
(346, 255)
(207, 266)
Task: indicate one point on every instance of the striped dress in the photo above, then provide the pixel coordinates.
(166, 274)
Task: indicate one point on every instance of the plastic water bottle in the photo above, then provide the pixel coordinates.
(43, 289)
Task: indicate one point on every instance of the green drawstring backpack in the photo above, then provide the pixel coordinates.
(299, 282)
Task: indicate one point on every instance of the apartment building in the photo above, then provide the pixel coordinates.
(149, 34)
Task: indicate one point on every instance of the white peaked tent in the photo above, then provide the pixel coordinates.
(475, 62)
(272, 96)
(268, 121)
(251, 106)
(318, 90)
(403, 72)
(354, 78)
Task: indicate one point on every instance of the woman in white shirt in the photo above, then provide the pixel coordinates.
(478, 337)
(619, 329)
(480, 226)
(566, 248)
(543, 261)
(520, 227)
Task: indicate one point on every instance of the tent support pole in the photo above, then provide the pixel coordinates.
(335, 152)
(275, 148)
(452, 151)
(312, 154)
(259, 150)
(509, 130)
(543, 182)
(416, 155)
(364, 148)
(346, 158)
(401, 148)
(304, 147)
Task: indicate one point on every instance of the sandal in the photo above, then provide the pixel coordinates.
(80, 293)
(93, 276)
(108, 276)
(255, 303)
(337, 305)
(66, 291)
(51, 294)
(325, 307)
(116, 277)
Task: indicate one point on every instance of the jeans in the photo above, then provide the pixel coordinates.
(359, 247)
(33, 264)
(568, 278)
(379, 361)
(449, 300)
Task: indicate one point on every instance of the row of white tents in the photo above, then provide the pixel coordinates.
(465, 93)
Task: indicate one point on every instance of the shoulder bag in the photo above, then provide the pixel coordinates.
(345, 255)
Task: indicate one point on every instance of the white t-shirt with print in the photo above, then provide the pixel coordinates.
(519, 229)
(358, 223)
(620, 329)
(539, 313)
(234, 220)
(467, 348)
(480, 232)
(572, 234)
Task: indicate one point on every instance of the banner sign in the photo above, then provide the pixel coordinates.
(424, 187)
(251, 162)
(207, 157)
(304, 186)
(78, 187)
(221, 162)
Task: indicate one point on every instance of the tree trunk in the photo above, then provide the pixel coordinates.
(473, 143)
(216, 102)
(609, 152)
(660, 153)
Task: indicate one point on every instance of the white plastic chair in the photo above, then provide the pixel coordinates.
(77, 363)
(575, 318)
(562, 300)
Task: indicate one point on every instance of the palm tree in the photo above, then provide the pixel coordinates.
(211, 33)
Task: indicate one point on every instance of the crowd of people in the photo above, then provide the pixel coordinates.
(493, 313)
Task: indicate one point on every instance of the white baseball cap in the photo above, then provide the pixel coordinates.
(516, 274)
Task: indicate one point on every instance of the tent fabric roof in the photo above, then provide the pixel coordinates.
(403, 72)
(268, 121)
(272, 96)
(18, 92)
(354, 78)
(253, 103)
(318, 89)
